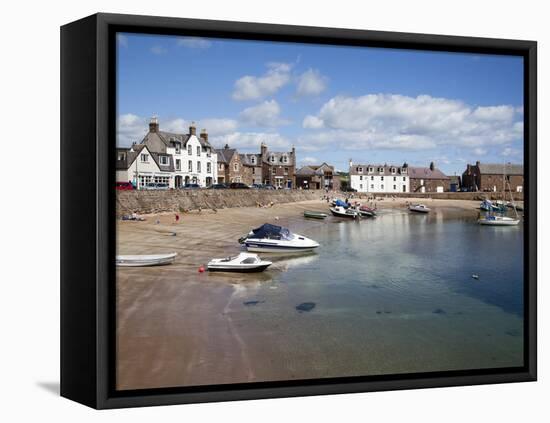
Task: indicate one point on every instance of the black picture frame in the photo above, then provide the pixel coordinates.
(88, 110)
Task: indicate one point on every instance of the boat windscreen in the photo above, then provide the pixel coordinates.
(271, 231)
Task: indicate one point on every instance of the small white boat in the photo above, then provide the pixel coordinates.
(276, 239)
(145, 260)
(340, 211)
(419, 208)
(490, 220)
(243, 263)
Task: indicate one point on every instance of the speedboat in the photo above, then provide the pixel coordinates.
(419, 208)
(145, 260)
(491, 220)
(366, 211)
(312, 214)
(340, 211)
(340, 203)
(276, 239)
(243, 263)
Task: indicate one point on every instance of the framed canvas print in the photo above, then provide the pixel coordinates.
(256, 211)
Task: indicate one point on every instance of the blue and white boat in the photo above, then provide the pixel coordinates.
(276, 239)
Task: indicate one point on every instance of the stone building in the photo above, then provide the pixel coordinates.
(428, 179)
(378, 178)
(230, 162)
(278, 168)
(251, 168)
(493, 177)
(315, 177)
(183, 158)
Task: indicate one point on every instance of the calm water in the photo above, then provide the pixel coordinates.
(395, 294)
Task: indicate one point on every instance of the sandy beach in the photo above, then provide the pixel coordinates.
(179, 327)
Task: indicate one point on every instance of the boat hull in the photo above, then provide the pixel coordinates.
(263, 248)
(344, 215)
(145, 261)
(315, 215)
(498, 222)
(423, 211)
(253, 269)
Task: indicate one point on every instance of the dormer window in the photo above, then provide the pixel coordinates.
(163, 160)
(393, 170)
(381, 169)
(285, 159)
(359, 170)
(371, 169)
(272, 159)
(403, 170)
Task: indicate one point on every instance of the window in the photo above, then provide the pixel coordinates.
(393, 170)
(382, 186)
(286, 170)
(395, 187)
(145, 158)
(253, 170)
(380, 169)
(359, 170)
(371, 169)
(394, 178)
(236, 167)
(178, 164)
(190, 166)
(121, 156)
(272, 159)
(178, 147)
(190, 150)
(372, 178)
(163, 160)
(371, 186)
(381, 178)
(285, 159)
(208, 167)
(253, 160)
(162, 180)
(361, 177)
(199, 150)
(360, 186)
(404, 179)
(199, 167)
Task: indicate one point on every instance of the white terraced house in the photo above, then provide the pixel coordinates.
(379, 178)
(180, 158)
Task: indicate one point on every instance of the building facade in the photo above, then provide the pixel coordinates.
(140, 166)
(428, 179)
(493, 177)
(378, 178)
(315, 177)
(232, 165)
(183, 158)
(278, 168)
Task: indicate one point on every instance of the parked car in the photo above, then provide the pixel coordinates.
(268, 186)
(218, 186)
(256, 186)
(124, 186)
(156, 186)
(238, 185)
(191, 186)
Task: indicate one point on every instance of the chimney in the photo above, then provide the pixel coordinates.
(204, 135)
(154, 124)
(226, 147)
(350, 163)
(478, 163)
(263, 149)
(293, 152)
(192, 129)
(432, 166)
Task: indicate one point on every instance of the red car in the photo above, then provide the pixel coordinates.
(124, 186)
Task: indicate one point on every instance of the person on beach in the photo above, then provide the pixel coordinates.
(177, 217)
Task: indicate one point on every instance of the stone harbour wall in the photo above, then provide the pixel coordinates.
(146, 202)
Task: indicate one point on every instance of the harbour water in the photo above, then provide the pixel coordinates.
(395, 294)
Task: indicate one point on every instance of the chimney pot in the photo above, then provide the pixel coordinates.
(192, 129)
(154, 124)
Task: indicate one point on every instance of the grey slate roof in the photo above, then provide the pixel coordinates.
(279, 158)
(426, 173)
(246, 159)
(318, 170)
(225, 154)
(499, 169)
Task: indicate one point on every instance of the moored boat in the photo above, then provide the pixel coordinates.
(339, 211)
(366, 211)
(315, 214)
(242, 263)
(491, 220)
(145, 260)
(419, 208)
(276, 239)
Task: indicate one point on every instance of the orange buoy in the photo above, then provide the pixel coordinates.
(201, 269)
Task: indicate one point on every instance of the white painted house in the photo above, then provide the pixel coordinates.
(378, 178)
(188, 158)
(140, 166)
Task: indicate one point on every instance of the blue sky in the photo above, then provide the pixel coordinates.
(332, 103)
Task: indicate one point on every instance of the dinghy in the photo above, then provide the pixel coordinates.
(419, 208)
(491, 220)
(243, 263)
(315, 214)
(145, 260)
(339, 211)
(366, 211)
(276, 239)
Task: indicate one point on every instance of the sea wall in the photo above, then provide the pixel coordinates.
(145, 202)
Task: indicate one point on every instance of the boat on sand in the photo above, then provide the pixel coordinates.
(419, 208)
(145, 260)
(312, 214)
(276, 239)
(242, 263)
(340, 211)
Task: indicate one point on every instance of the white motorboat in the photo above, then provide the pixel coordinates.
(145, 260)
(419, 208)
(243, 263)
(340, 211)
(276, 239)
(491, 220)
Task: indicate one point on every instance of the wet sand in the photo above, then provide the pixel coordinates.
(179, 327)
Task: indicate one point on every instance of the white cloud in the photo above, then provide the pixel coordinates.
(254, 87)
(309, 160)
(130, 128)
(216, 126)
(158, 50)
(193, 42)
(388, 121)
(311, 82)
(511, 152)
(478, 151)
(312, 122)
(122, 40)
(251, 140)
(267, 114)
